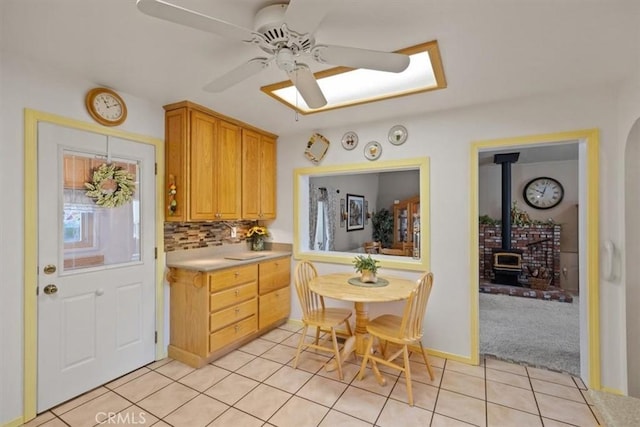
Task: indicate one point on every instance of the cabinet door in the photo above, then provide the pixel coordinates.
(251, 175)
(203, 164)
(274, 275)
(273, 307)
(228, 173)
(267, 178)
(400, 224)
(77, 171)
(176, 131)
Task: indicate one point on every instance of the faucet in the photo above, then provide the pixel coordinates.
(234, 230)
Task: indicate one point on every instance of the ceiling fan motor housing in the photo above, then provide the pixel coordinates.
(269, 22)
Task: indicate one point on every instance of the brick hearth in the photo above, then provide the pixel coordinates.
(544, 254)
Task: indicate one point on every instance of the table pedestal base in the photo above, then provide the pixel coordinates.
(358, 342)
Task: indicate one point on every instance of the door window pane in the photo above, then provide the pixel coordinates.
(92, 235)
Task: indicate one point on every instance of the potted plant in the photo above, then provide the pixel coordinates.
(257, 234)
(367, 267)
(382, 222)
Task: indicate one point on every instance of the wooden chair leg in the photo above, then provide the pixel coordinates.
(317, 335)
(304, 334)
(365, 358)
(374, 367)
(348, 327)
(407, 374)
(336, 351)
(426, 361)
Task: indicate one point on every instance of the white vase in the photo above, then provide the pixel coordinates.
(367, 276)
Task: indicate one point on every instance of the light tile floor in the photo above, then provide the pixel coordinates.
(257, 386)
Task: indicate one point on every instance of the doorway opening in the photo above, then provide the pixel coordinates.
(584, 253)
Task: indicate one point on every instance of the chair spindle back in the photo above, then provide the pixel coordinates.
(414, 311)
(309, 301)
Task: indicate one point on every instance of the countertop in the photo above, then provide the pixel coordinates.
(210, 259)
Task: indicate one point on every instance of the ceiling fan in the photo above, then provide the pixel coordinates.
(285, 33)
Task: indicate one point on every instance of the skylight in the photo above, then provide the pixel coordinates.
(343, 87)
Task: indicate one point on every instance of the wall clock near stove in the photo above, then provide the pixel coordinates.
(543, 193)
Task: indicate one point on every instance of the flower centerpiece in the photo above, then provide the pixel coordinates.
(367, 267)
(257, 234)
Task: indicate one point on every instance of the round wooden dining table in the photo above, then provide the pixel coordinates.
(337, 286)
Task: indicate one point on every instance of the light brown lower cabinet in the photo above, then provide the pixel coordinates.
(214, 313)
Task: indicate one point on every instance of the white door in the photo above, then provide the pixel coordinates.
(96, 273)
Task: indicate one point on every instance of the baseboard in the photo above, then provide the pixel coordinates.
(445, 355)
(14, 423)
(612, 391)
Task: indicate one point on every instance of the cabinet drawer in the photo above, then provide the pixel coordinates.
(274, 306)
(230, 315)
(274, 275)
(232, 333)
(232, 296)
(232, 276)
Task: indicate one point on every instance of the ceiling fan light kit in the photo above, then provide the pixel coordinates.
(285, 32)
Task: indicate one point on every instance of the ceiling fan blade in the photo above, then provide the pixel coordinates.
(179, 15)
(304, 80)
(304, 16)
(360, 58)
(241, 72)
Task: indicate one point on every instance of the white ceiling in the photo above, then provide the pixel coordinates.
(491, 50)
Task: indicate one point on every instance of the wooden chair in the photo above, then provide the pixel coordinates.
(372, 247)
(403, 331)
(315, 314)
(391, 251)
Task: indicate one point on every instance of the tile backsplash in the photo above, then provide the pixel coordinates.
(190, 235)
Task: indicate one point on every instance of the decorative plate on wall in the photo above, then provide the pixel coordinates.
(349, 140)
(373, 150)
(316, 148)
(398, 135)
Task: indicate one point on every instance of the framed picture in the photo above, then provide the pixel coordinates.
(343, 213)
(355, 212)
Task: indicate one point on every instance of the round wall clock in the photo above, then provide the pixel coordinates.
(106, 106)
(543, 193)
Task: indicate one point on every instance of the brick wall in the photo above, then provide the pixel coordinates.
(540, 246)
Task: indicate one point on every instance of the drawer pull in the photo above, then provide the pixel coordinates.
(237, 273)
(237, 292)
(237, 328)
(237, 310)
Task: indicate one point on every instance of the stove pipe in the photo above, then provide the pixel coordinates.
(505, 160)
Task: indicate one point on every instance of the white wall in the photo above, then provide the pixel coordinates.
(24, 84)
(450, 134)
(365, 185)
(565, 171)
(628, 246)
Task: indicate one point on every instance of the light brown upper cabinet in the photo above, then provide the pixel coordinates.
(204, 161)
(258, 175)
(78, 170)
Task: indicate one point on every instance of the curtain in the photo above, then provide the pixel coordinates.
(323, 203)
(313, 215)
(331, 215)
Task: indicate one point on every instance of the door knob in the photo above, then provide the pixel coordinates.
(50, 289)
(49, 269)
(100, 292)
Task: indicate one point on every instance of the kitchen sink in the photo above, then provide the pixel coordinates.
(243, 257)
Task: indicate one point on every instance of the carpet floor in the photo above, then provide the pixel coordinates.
(535, 332)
